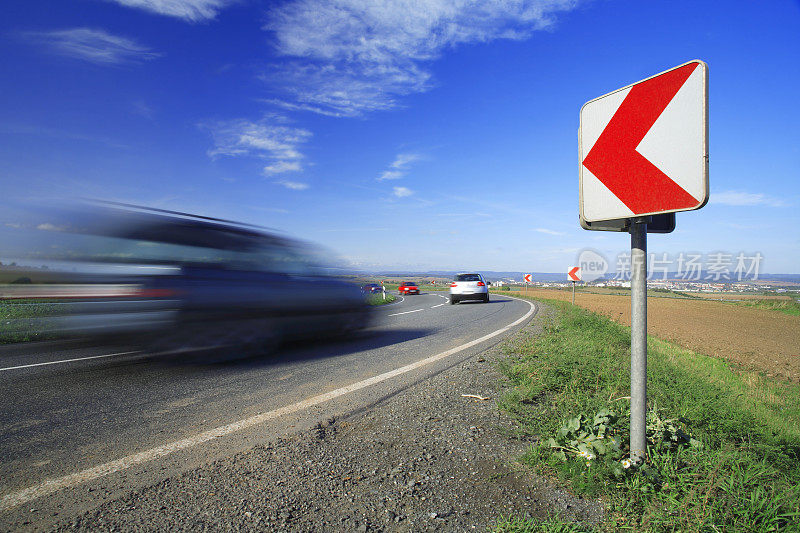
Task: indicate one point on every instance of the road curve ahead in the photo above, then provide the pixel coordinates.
(80, 426)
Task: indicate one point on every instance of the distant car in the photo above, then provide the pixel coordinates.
(468, 286)
(371, 288)
(408, 287)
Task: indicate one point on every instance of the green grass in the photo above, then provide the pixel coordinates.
(789, 307)
(12, 320)
(377, 299)
(743, 478)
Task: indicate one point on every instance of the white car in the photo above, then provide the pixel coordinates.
(468, 286)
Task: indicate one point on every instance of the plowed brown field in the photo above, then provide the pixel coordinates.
(753, 338)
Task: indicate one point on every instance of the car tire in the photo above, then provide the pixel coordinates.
(453, 301)
(486, 298)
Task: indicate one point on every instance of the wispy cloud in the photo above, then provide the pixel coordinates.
(293, 185)
(188, 10)
(93, 45)
(402, 192)
(742, 198)
(46, 226)
(279, 167)
(403, 160)
(399, 167)
(348, 57)
(390, 175)
(268, 138)
(549, 231)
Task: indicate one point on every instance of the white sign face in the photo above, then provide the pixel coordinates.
(644, 148)
(527, 278)
(574, 274)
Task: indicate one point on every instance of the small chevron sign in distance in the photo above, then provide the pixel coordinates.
(574, 274)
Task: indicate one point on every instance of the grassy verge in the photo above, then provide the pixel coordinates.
(377, 299)
(789, 307)
(738, 471)
(13, 315)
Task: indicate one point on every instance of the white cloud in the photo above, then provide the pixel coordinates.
(280, 167)
(402, 192)
(549, 231)
(266, 139)
(93, 45)
(348, 57)
(46, 226)
(294, 185)
(403, 160)
(391, 175)
(742, 198)
(188, 10)
(398, 167)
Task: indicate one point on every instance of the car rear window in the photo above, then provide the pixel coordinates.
(468, 277)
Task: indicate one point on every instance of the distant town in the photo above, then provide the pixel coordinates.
(677, 285)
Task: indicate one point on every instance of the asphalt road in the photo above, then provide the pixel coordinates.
(79, 426)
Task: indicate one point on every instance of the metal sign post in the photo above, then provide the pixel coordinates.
(638, 339)
(573, 293)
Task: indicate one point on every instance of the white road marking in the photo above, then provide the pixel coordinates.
(65, 361)
(405, 312)
(435, 306)
(14, 499)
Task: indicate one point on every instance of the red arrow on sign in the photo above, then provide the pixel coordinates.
(613, 159)
(527, 278)
(573, 274)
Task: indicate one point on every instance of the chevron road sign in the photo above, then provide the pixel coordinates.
(643, 157)
(644, 148)
(574, 274)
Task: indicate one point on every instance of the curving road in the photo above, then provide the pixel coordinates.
(83, 425)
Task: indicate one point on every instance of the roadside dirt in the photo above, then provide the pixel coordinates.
(425, 459)
(756, 339)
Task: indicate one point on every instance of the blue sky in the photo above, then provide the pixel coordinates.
(427, 134)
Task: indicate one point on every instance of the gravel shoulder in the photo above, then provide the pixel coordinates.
(424, 459)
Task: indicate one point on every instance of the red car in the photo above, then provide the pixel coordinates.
(408, 287)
